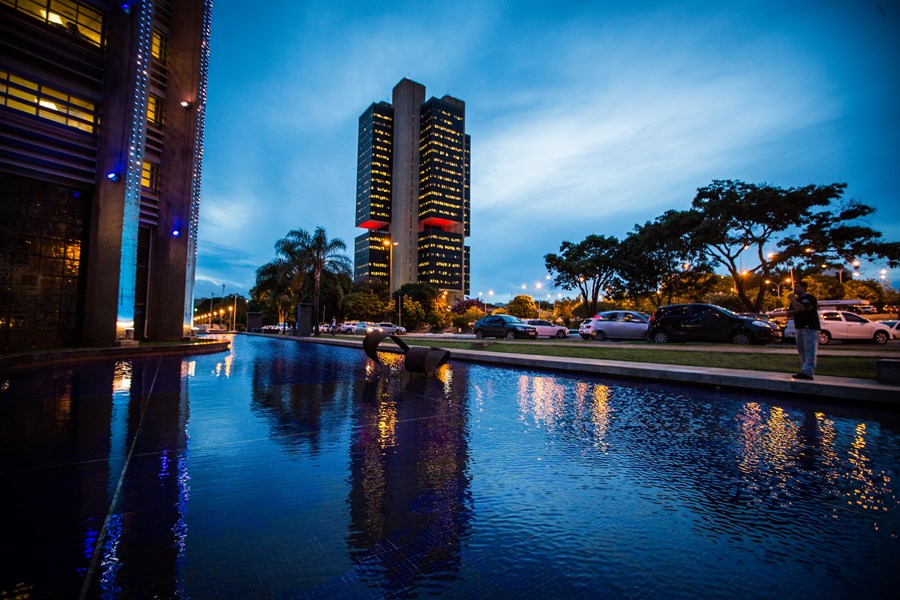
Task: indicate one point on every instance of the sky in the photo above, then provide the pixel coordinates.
(586, 117)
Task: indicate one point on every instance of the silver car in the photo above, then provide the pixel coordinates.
(388, 328)
(616, 325)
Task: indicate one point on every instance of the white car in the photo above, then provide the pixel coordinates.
(845, 325)
(616, 324)
(347, 327)
(895, 328)
(387, 328)
(548, 329)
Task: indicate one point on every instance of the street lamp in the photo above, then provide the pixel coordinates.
(387, 243)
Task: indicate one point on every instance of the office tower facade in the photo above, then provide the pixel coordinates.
(412, 195)
(102, 115)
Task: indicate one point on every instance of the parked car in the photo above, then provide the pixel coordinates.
(347, 327)
(846, 326)
(867, 310)
(777, 313)
(615, 324)
(362, 327)
(547, 329)
(775, 325)
(503, 326)
(894, 326)
(389, 328)
(706, 323)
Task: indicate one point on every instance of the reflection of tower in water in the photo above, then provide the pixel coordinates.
(409, 504)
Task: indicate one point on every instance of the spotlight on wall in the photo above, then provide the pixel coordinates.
(126, 8)
(112, 176)
(185, 104)
(176, 232)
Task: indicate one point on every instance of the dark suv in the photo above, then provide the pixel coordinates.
(505, 326)
(706, 323)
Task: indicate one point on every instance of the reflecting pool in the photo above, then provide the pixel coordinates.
(293, 470)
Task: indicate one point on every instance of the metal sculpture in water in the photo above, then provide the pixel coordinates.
(416, 359)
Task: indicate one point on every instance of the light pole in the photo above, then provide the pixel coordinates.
(390, 246)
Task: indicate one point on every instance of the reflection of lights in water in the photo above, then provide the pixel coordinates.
(184, 493)
(387, 423)
(445, 374)
(600, 412)
(111, 563)
(391, 360)
(769, 449)
(750, 426)
(522, 396)
(189, 368)
(224, 367)
(543, 397)
(122, 376)
(781, 441)
(826, 436)
(870, 491)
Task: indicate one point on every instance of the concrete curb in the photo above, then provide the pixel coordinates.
(39, 360)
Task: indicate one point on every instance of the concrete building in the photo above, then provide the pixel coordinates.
(412, 194)
(102, 117)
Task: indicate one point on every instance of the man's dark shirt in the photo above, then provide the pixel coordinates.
(809, 318)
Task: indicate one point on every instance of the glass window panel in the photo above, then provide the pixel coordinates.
(66, 10)
(38, 9)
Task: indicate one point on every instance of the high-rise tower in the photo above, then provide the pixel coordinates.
(412, 192)
(101, 141)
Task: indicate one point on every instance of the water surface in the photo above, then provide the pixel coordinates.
(292, 470)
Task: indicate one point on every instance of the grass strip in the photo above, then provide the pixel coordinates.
(857, 367)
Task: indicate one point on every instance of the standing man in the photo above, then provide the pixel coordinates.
(804, 310)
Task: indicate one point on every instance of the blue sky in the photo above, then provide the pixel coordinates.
(585, 117)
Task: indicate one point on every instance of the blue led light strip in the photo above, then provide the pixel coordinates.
(132, 209)
(200, 126)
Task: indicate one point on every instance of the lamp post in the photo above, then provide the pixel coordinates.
(390, 246)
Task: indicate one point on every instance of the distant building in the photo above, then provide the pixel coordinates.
(101, 138)
(412, 192)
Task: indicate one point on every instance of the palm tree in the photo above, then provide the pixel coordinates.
(324, 256)
(271, 289)
(304, 256)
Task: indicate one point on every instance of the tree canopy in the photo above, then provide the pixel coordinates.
(760, 234)
(588, 266)
(522, 306)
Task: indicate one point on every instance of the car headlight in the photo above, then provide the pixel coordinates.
(762, 324)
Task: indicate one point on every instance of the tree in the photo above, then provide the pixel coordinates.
(588, 266)
(364, 306)
(865, 289)
(461, 306)
(293, 265)
(413, 314)
(273, 289)
(838, 236)
(321, 255)
(522, 306)
(739, 222)
(464, 320)
(658, 259)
